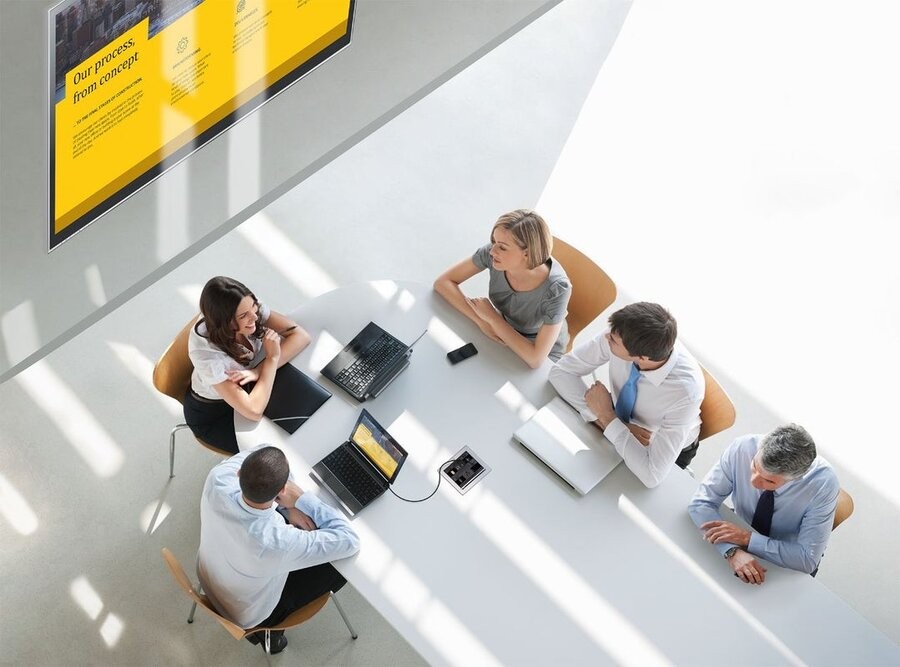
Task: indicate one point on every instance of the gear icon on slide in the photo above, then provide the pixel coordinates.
(182, 44)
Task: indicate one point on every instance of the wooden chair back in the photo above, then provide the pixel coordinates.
(844, 509)
(716, 411)
(172, 373)
(592, 289)
(294, 619)
(198, 598)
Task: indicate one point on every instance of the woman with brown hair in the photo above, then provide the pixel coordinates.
(237, 341)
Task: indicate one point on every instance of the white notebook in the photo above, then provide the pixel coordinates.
(574, 449)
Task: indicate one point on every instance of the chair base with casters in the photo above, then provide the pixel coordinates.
(294, 619)
(180, 427)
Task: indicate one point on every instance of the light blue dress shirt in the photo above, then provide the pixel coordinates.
(804, 507)
(246, 553)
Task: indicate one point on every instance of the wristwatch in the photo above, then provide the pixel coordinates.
(730, 553)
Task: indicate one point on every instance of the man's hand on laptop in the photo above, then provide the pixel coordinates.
(299, 519)
(289, 495)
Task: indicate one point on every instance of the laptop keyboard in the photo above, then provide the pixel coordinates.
(353, 475)
(375, 359)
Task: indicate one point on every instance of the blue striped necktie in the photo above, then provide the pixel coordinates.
(628, 395)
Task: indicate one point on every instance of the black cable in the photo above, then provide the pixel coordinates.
(421, 500)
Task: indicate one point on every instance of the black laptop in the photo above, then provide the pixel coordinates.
(369, 362)
(362, 468)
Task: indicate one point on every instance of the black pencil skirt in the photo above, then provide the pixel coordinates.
(211, 420)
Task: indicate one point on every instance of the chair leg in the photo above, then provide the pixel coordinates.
(344, 616)
(175, 430)
(268, 642)
(191, 615)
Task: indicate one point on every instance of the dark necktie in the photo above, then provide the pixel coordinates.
(762, 517)
(628, 395)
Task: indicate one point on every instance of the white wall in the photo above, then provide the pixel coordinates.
(739, 163)
(400, 50)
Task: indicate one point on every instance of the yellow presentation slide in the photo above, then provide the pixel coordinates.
(376, 450)
(163, 73)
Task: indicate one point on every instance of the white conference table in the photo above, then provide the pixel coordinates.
(521, 570)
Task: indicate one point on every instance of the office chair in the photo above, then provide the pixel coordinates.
(172, 377)
(296, 618)
(716, 411)
(843, 510)
(592, 289)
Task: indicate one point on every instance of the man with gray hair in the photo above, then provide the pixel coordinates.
(784, 490)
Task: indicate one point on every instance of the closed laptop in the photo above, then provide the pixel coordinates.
(575, 450)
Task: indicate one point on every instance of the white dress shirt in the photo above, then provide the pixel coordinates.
(246, 553)
(804, 507)
(668, 403)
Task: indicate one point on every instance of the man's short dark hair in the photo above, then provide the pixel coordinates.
(646, 329)
(788, 451)
(264, 474)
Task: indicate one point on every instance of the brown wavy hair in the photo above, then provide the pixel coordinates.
(219, 301)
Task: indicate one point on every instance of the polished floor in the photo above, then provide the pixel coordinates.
(85, 498)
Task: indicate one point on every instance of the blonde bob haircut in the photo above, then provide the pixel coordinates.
(530, 232)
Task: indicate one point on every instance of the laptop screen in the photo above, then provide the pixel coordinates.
(378, 445)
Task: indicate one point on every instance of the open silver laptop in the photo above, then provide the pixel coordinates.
(575, 450)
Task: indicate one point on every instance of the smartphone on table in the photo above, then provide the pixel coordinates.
(460, 353)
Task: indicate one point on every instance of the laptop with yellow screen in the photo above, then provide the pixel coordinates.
(361, 469)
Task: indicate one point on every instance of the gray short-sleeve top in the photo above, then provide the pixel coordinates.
(212, 363)
(528, 311)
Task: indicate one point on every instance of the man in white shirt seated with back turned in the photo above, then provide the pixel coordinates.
(265, 545)
(651, 412)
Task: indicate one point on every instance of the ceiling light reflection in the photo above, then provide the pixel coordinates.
(285, 255)
(86, 597)
(414, 437)
(141, 368)
(72, 418)
(513, 399)
(403, 588)
(111, 630)
(406, 300)
(375, 556)
(15, 509)
(452, 638)
(599, 620)
(324, 349)
(646, 524)
(444, 336)
(386, 288)
(153, 515)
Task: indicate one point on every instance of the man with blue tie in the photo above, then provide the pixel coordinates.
(784, 490)
(651, 411)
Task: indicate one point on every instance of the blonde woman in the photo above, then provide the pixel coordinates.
(528, 290)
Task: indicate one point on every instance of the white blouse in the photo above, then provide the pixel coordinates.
(212, 364)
